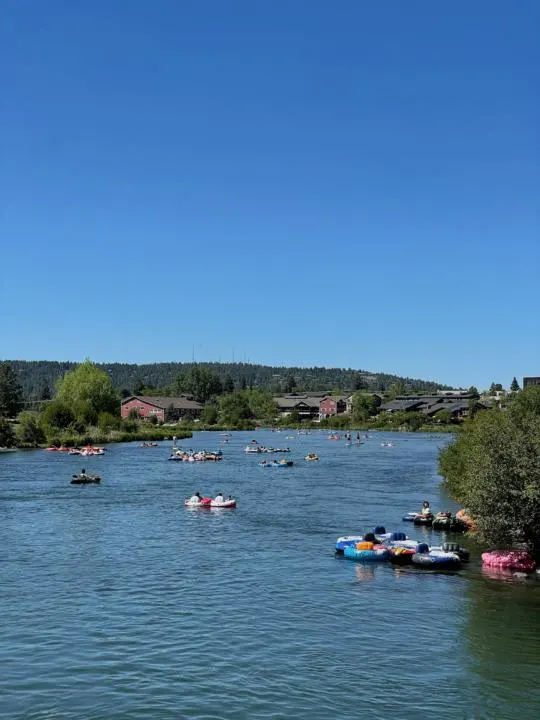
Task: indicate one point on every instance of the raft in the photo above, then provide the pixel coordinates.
(209, 503)
(423, 519)
(509, 559)
(85, 480)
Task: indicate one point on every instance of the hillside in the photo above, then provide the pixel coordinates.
(39, 377)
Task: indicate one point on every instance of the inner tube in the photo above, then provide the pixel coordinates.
(409, 517)
(511, 559)
(347, 541)
(402, 555)
(463, 553)
(423, 519)
(377, 554)
(446, 521)
(85, 480)
(436, 559)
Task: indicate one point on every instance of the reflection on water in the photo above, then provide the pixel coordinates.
(364, 572)
(502, 643)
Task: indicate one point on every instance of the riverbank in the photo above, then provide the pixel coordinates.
(113, 436)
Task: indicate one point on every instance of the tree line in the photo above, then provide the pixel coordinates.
(38, 378)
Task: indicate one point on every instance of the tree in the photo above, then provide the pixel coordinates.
(7, 436)
(138, 386)
(203, 384)
(514, 387)
(359, 383)
(363, 406)
(473, 391)
(495, 387)
(89, 391)
(443, 416)
(493, 468)
(29, 431)
(290, 384)
(228, 384)
(262, 405)
(45, 392)
(210, 415)
(395, 389)
(235, 408)
(58, 415)
(10, 391)
(179, 385)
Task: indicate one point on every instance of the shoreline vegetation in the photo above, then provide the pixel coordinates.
(85, 408)
(493, 470)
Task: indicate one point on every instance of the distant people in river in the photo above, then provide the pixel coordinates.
(219, 497)
(196, 498)
(426, 510)
(83, 472)
(370, 537)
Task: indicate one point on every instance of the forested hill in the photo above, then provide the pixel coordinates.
(38, 377)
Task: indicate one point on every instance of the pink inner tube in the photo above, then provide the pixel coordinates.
(514, 559)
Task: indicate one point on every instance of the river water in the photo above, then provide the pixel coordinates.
(118, 603)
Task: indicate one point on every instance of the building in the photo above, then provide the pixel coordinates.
(459, 404)
(528, 381)
(306, 406)
(165, 409)
(330, 406)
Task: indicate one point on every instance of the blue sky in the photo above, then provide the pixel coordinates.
(300, 182)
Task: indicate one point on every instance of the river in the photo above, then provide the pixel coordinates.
(117, 603)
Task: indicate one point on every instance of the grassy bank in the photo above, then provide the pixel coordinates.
(95, 436)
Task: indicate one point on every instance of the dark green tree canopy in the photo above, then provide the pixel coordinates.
(514, 387)
(7, 436)
(10, 391)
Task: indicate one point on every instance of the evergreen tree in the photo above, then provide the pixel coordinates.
(7, 436)
(290, 384)
(45, 392)
(228, 384)
(10, 391)
(514, 387)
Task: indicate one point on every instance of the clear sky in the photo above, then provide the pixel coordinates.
(300, 182)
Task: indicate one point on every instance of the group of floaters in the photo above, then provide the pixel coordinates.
(85, 451)
(254, 447)
(397, 548)
(195, 456)
(198, 501)
(442, 520)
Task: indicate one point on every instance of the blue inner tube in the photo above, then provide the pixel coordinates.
(367, 555)
(429, 560)
(345, 542)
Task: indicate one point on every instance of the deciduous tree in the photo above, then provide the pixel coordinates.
(493, 468)
(86, 387)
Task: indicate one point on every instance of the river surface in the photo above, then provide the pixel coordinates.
(118, 603)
